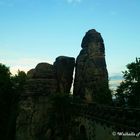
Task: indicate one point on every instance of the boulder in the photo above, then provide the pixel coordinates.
(44, 70)
(41, 80)
(64, 67)
(30, 73)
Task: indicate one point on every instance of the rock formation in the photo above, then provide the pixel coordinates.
(64, 67)
(44, 70)
(30, 73)
(44, 80)
(91, 83)
(48, 79)
(91, 76)
(33, 104)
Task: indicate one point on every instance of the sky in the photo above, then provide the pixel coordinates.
(33, 31)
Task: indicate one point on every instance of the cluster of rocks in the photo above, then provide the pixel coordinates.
(90, 71)
(47, 79)
(44, 80)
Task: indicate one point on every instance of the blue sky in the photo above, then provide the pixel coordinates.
(33, 31)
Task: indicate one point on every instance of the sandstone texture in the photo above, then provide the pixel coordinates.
(43, 81)
(64, 67)
(90, 84)
(31, 123)
(44, 70)
(34, 104)
(91, 76)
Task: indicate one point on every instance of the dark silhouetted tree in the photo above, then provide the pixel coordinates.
(5, 99)
(10, 89)
(128, 93)
(18, 81)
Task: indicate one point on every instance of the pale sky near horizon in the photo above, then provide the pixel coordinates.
(33, 31)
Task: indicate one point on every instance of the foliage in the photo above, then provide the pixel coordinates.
(103, 95)
(5, 98)
(10, 88)
(128, 93)
(18, 81)
(5, 82)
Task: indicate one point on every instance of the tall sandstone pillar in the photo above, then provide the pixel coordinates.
(91, 76)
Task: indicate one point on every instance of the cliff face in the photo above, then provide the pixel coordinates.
(91, 84)
(43, 81)
(91, 73)
(33, 104)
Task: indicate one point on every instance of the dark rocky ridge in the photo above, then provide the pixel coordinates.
(44, 80)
